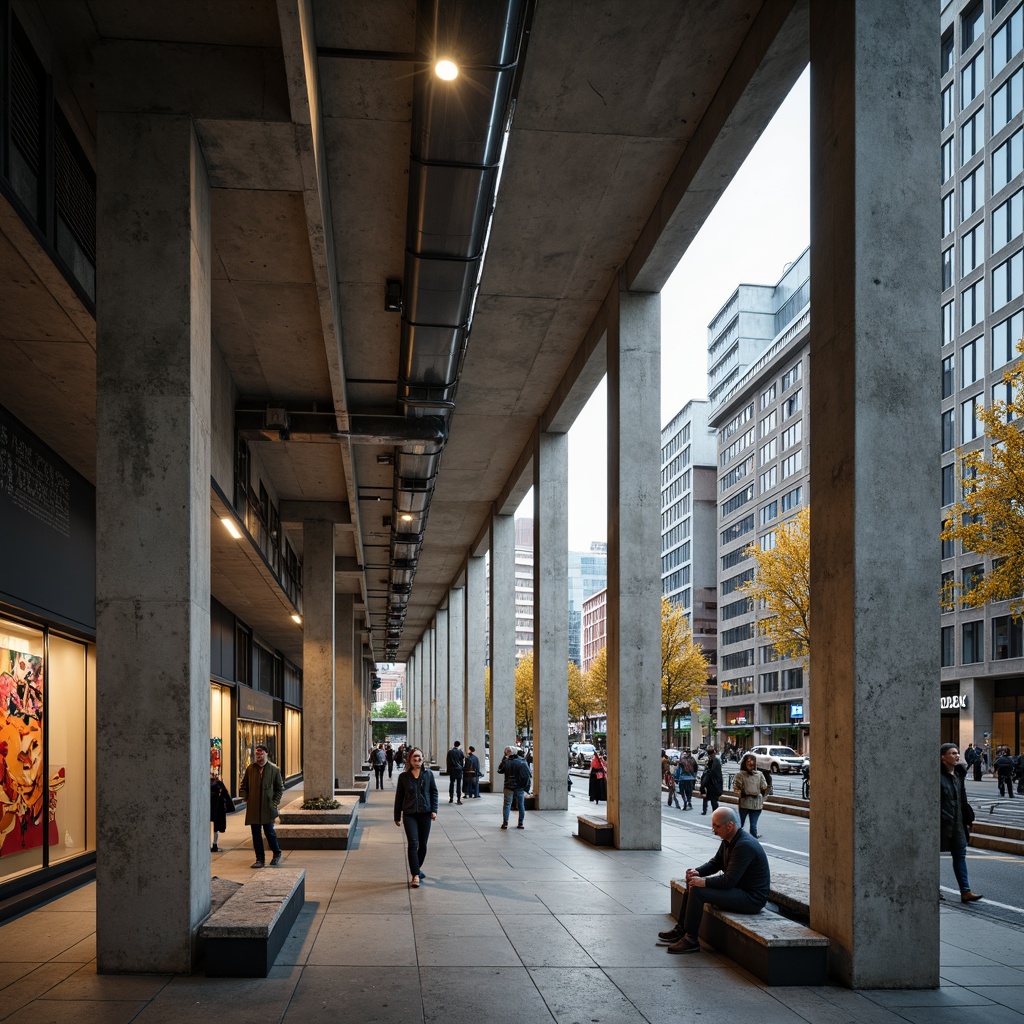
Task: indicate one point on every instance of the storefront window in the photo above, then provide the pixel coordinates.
(251, 733)
(220, 732)
(46, 749)
(292, 742)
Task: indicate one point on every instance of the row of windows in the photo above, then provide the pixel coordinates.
(734, 558)
(728, 454)
(735, 424)
(738, 529)
(738, 687)
(737, 634)
(737, 581)
(791, 679)
(736, 608)
(737, 473)
(676, 580)
(737, 501)
(678, 532)
(971, 426)
(1007, 162)
(1007, 641)
(739, 659)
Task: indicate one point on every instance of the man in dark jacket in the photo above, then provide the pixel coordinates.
(517, 783)
(711, 783)
(262, 788)
(957, 816)
(455, 763)
(1003, 767)
(737, 878)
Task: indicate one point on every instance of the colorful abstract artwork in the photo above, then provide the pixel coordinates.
(27, 804)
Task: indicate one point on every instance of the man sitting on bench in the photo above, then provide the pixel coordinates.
(736, 878)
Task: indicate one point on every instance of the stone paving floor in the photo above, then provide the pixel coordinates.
(514, 927)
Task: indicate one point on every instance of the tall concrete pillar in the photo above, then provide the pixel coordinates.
(425, 740)
(317, 658)
(457, 666)
(442, 734)
(503, 640)
(874, 488)
(416, 696)
(634, 571)
(550, 619)
(152, 542)
(347, 758)
(476, 652)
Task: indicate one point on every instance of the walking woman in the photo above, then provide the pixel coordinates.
(598, 780)
(750, 786)
(416, 807)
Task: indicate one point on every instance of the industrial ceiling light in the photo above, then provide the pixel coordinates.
(446, 69)
(229, 525)
(297, 619)
(405, 517)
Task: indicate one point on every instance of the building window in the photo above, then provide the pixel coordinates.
(767, 397)
(1007, 638)
(970, 577)
(948, 433)
(972, 80)
(1007, 161)
(948, 222)
(947, 160)
(769, 512)
(947, 323)
(972, 249)
(948, 551)
(972, 135)
(737, 530)
(769, 479)
(971, 363)
(1007, 39)
(792, 404)
(948, 485)
(972, 24)
(973, 643)
(972, 194)
(1007, 221)
(769, 682)
(972, 305)
(1003, 392)
(792, 435)
(767, 542)
(947, 377)
(793, 679)
(970, 423)
(947, 268)
(790, 377)
(946, 57)
(791, 499)
(768, 424)
(1008, 101)
(769, 450)
(1005, 336)
(948, 653)
(1008, 280)
(792, 464)
(947, 106)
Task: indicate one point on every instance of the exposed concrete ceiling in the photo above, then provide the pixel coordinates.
(631, 119)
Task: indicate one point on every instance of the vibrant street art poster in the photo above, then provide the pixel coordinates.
(27, 804)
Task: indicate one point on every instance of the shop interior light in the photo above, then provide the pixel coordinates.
(297, 619)
(446, 69)
(405, 517)
(229, 525)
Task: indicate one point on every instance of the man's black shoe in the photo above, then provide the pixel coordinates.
(275, 860)
(684, 945)
(672, 935)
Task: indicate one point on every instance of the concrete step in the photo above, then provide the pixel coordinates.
(796, 808)
(313, 837)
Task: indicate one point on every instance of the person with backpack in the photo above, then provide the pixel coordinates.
(686, 778)
(378, 762)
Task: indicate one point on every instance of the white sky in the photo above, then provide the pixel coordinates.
(761, 223)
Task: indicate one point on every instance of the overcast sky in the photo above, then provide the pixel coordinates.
(761, 223)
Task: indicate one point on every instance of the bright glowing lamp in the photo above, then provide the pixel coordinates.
(229, 525)
(446, 69)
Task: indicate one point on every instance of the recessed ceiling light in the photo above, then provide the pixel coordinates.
(229, 525)
(446, 69)
(297, 619)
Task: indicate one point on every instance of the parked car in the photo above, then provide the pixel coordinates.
(777, 759)
(581, 754)
(673, 755)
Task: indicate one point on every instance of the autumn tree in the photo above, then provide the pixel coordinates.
(524, 693)
(588, 692)
(782, 581)
(989, 518)
(684, 668)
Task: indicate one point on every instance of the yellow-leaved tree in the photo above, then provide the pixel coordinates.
(684, 668)
(989, 518)
(782, 580)
(588, 691)
(524, 694)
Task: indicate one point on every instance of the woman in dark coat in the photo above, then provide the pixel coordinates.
(598, 779)
(957, 816)
(221, 805)
(416, 808)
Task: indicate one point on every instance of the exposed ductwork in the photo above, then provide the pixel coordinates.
(458, 134)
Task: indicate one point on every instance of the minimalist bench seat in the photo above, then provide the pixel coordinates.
(242, 938)
(594, 830)
(313, 837)
(775, 948)
(358, 790)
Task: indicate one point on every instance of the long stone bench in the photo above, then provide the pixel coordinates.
(594, 830)
(241, 939)
(358, 790)
(778, 948)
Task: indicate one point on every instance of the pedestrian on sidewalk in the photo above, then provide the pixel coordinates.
(389, 753)
(598, 778)
(711, 783)
(378, 762)
(416, 808)
(956, 817)
(686, 778)
(670, 784)
(455, 763)
(471, 775)
(517, 782)
(751, 787)
(262, 788)
(221, 805)
(1002, 768)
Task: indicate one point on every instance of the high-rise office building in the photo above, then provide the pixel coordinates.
(763, 471)
(982, 211)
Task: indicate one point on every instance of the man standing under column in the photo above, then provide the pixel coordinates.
(455, 762)
(517, 782)
(262, 788)
(737, 878)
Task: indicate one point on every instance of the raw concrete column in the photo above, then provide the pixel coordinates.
(317, 658)
(634, 570)
(874, 488)
(346, 756)
(503, 640)
(425, 741)
(442, 734)
(152, 542)
(476, 652)
(457, 666)
(550, 619)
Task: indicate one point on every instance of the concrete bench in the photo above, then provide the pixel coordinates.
(772, 946)
(359, 791)
(242, 938)
(594, 830)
